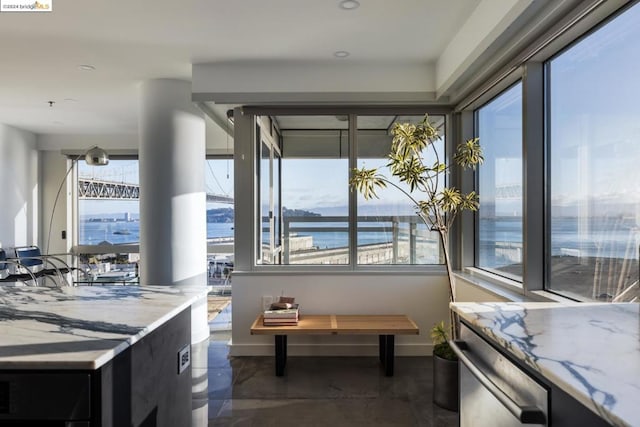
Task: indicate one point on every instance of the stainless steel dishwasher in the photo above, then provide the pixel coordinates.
(494, 391)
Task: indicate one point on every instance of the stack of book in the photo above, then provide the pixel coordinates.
(281, 315)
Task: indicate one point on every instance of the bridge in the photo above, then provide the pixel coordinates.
(94, 189)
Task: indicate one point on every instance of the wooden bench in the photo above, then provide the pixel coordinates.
(385, 326)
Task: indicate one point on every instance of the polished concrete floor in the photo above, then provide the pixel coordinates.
(315, 391)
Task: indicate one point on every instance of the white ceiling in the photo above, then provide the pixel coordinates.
(131, 41)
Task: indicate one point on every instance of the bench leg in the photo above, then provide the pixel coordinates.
(281, 354)
(387, 353)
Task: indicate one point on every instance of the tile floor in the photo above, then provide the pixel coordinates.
(315, 391)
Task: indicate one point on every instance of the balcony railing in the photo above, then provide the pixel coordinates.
(381, 240)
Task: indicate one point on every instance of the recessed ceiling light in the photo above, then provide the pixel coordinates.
(341, 54)
(86, 67)
(349, 4)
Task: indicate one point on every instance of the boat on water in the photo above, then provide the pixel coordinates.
(122, 232)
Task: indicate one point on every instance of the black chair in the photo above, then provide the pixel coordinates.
(6, 275)
(30, 260)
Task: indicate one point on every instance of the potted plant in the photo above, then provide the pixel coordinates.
(436, 204)
(445, 369)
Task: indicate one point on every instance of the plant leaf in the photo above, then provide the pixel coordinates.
(439, 333)
(469, 154)
(449, 199)
(365, 181)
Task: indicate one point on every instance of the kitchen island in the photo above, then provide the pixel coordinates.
(96, 356)
(589, 352)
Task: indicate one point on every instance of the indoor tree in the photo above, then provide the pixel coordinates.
(424, 183)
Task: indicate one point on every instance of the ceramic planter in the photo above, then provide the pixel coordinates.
(445, 383)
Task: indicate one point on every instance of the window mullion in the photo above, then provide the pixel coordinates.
(533, 177)
(353, 195)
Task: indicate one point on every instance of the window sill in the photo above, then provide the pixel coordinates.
(431, 270)
(505, 288)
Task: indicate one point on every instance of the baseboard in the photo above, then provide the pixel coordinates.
(328, 350)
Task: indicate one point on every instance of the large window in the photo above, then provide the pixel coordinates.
(108, 216)
(219, 188)
(594, 153)
(268, 145)
(560, 209)
(499, 239)
(318, 210)
(108, 219)
(220, 222)
(389, 231)
(315, 193)
(108, 205)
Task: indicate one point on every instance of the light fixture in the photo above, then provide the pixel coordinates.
(349, 4)
(341, 54)
(86, 67)
(95, 156)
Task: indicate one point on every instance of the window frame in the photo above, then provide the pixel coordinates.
(74, 220)
(530, 66)
(352, 112)
(476, 234)
(75, 246)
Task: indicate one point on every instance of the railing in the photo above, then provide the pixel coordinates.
(390, 240)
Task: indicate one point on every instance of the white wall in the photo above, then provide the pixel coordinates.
(53, 167)
(487, 22)
(423, 298)
(218, 141)
(19, 187)
(282, 82)
(81, 143)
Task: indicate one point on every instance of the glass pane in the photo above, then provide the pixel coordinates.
(389, 231)
(276, 201)
(108, 215)
(220, 223)
(108, 203)
(315, 189)
(219, 188)
(265, 204)
(499, 125)
(594, 156)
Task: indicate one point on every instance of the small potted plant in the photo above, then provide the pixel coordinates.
(437, 205)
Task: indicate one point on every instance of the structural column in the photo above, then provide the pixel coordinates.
(173, 235)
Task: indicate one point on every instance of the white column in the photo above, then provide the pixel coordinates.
(173, 234)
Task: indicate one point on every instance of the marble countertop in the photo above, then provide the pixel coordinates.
(591, 351)
(81, 327)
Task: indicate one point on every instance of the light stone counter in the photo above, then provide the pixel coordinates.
(591, 351)
(81, 327)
